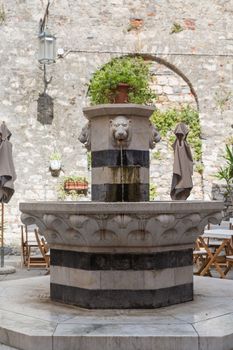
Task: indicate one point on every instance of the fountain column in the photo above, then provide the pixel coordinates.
(119, 140)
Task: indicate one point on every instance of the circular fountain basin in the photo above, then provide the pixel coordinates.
(122, 254)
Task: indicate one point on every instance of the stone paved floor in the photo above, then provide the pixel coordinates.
(30, 321)
(21, 272)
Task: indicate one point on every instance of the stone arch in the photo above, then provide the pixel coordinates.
(172, 67)
(176, 70)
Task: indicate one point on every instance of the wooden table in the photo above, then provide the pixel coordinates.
(225, 238)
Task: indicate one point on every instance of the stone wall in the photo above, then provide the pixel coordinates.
(92, 32)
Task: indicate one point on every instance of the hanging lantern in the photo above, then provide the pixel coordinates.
(47, 48)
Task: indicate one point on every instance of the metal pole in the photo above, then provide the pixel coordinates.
(43, 21)
(2, 236)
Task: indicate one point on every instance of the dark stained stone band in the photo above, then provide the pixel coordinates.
(112, 157)
(134, 192)
(121, 299)
(136, 262)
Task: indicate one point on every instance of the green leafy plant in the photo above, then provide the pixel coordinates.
(199, 167)
(2, 14)
(89, 160)
(166, 122)
(229, 140)
(226, 173)
(222, 99)
(63, 194)
(156, 155)
(229, 159)
(55, 156)
(153, 191)
(74, 178)
(176, 28)
(133, 71)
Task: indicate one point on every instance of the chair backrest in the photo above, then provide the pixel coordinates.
(27, 233)
(45, 245)
(24, 234)
(40, 244)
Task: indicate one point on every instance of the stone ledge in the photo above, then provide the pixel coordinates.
(121, 224)
(119, 108)
(157, 207)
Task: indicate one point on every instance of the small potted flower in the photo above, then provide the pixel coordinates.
(55, 161)
(72, 187)
(77, 183)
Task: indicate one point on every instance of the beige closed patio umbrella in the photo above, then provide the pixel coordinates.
(7, 177)
(183, 165)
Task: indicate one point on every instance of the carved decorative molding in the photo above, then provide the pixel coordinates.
(99, 228)
(85, 136)
(154, 136)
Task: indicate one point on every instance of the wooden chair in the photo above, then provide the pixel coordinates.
(229, 257)
(199, 257)
(28, 242)
(32, 249)
(44, 248)
(23, 245)
(229, 262)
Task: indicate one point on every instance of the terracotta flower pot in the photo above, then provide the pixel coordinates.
(82, 185)
(75, 185)
(122, 92)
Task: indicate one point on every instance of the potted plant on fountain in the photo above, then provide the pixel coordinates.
(123, 80)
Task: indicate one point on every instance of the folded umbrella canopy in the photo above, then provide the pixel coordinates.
(7, 169)
(183, 165)
(7, 178)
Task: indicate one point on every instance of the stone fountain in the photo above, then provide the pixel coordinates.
(120, 250)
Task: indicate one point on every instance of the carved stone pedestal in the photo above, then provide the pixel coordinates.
(121, 255)
(119, 137)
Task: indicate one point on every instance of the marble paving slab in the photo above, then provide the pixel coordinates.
(30, 321)
(5, 347)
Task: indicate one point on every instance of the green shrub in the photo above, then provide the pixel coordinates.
(2, 14)
(167, 121)
(226, 173)
(133, 71)
(153, 191)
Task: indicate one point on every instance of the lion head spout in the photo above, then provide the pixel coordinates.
(120, 130)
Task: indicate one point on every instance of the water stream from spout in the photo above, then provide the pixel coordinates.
(122, 175)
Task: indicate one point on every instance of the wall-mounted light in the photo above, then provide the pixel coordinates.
(46, 56)
(47, 48)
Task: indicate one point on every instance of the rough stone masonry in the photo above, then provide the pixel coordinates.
(194, 64)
